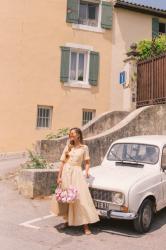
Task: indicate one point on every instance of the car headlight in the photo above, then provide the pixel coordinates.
(118, 198)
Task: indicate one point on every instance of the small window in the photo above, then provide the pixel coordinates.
(162, 28)
(44, 116)
(78, 66)
(88, 13)
(87, 115)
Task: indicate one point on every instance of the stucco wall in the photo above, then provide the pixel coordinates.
(30, 36)
(128, 27)
(144, 121)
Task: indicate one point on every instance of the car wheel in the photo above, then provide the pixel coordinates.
(143, 222)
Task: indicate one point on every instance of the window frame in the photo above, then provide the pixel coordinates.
(86, 66)
(93, 111)
(50, 108)
(97, 28)
(87, 4)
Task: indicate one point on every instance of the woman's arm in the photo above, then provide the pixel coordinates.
(87, 166)
(59, 180)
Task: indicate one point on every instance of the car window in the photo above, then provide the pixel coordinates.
(143, 153)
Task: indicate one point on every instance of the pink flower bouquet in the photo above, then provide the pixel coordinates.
(66, 196)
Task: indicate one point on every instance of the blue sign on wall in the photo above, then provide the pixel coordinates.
(122, 78)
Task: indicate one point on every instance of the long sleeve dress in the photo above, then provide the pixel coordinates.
(82, 211)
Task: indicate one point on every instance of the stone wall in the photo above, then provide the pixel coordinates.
(103, 122)
(143, 121)
(34, 183)
(52, 149)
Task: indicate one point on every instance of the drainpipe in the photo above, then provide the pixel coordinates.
(130, 83)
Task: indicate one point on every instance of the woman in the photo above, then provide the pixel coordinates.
(82, 211)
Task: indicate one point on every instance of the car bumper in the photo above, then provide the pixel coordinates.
(117, 214)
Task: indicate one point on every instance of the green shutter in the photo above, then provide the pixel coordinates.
(65, 57)
(72, 14)
(155, 27)
(94, 68)
(106, 18)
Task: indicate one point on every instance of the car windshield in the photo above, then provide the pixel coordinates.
(140, 153)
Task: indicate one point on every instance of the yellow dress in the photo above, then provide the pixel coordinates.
(82, 211)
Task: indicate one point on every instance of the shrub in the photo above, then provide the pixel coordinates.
(150, 48)
(35, 161)
(61, 132)
(53, 187)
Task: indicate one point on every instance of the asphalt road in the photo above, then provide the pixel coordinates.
(39, 232)
(10, 166)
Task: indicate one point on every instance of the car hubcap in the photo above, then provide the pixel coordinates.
(146, 217)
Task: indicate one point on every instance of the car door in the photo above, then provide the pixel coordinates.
(163, 173)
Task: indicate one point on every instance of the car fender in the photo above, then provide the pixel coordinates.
(143, 189)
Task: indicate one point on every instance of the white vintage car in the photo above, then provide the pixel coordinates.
(130, 184)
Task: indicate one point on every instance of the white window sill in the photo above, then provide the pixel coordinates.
(84, 85)
(88, 28)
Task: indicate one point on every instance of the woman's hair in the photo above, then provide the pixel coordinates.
(71, 144)
(79, 133)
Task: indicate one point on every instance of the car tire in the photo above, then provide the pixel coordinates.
(144, 220)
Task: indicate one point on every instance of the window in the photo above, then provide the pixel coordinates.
(44, 116)
(87, 115)
(134, 152)
(92, 15)
(158, 28)
(78, 66)
(88, 13)
(162, 28)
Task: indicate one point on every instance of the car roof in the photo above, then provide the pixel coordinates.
(158, 140)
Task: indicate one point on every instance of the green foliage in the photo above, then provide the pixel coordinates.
(61, 132)
(145, 49)
(150, 48)
(35, 161)
(160, 44)
(53, 187)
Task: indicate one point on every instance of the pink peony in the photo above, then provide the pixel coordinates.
(68, 195)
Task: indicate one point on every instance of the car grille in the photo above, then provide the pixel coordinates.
(103, 195)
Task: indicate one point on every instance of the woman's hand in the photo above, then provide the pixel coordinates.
(87, 174)
(59, 180)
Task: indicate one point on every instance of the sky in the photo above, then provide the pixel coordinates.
(161, 4)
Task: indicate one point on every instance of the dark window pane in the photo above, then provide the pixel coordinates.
(81, 67)
(91, 12)
(47, 113)
(162, 28)
(83, 11)
(40, 112)
(44, 122)
(40, 122)
(47, 123)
